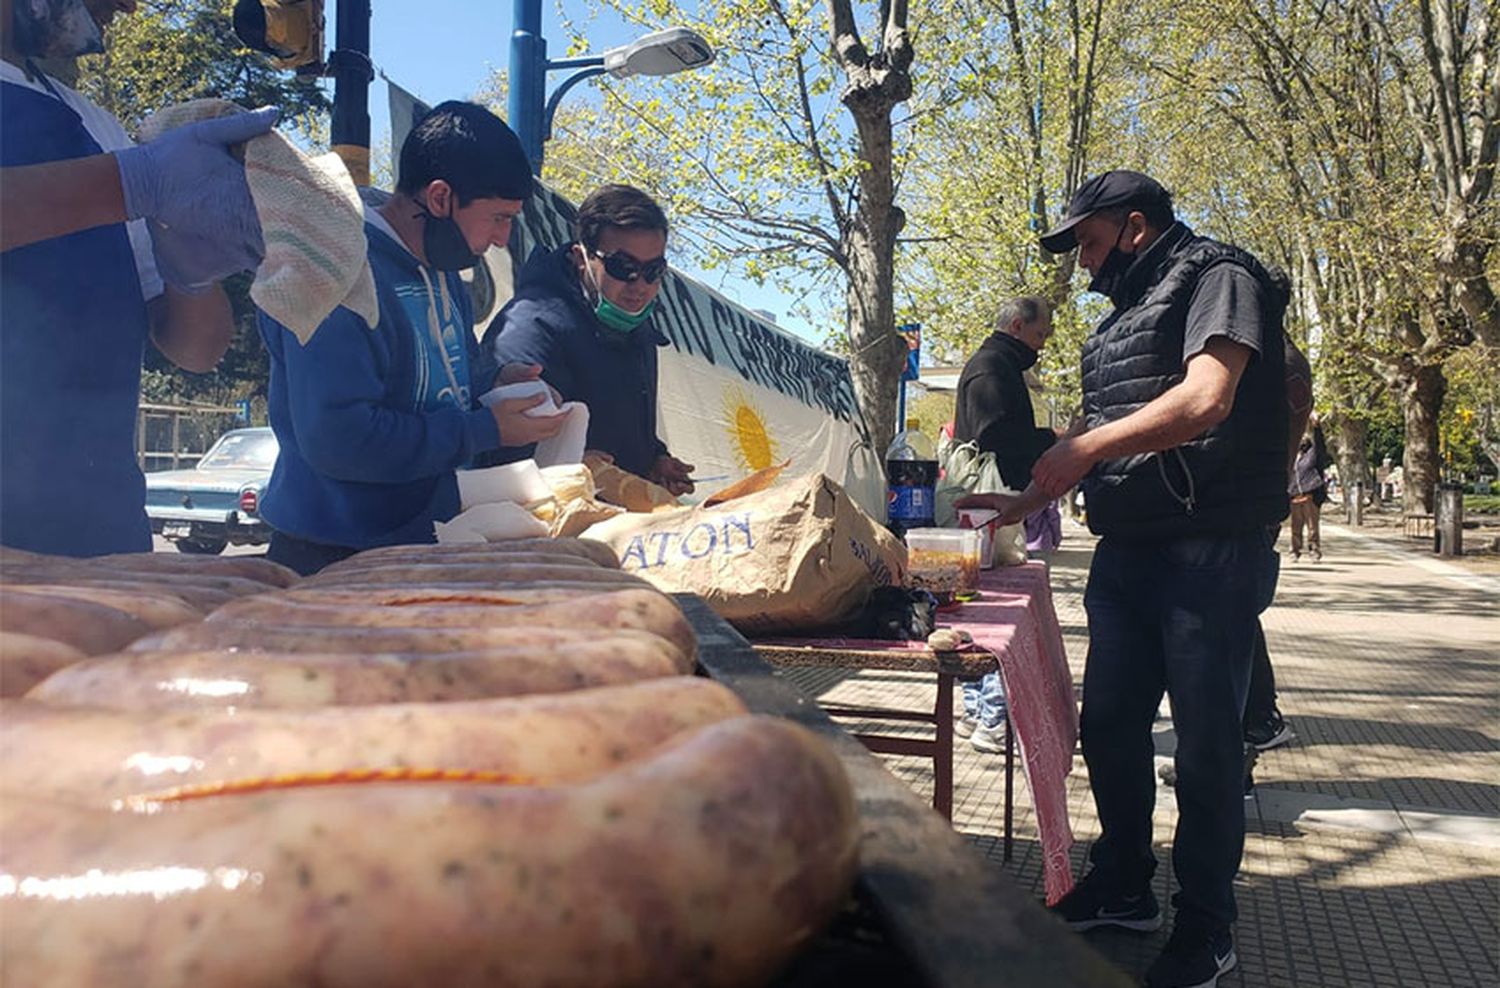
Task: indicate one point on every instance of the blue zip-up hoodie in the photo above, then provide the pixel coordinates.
(370, 429)
(549, 322)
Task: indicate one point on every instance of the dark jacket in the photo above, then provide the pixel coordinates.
(993, 408)
(1307, 475)
(1230, 479)
(550, 322)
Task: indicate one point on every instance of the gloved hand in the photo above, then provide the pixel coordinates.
(189, 184)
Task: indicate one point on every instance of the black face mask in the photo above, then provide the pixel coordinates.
(444, 243)
(1111, 274)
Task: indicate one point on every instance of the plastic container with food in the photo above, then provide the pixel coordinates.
(943, 561)
(987, 523)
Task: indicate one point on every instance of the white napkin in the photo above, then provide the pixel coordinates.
(520, 482)
(492, 522)
(565, 447)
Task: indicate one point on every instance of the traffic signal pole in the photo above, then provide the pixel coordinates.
(352, 73)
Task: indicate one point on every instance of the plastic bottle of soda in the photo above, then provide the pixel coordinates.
(911, 471)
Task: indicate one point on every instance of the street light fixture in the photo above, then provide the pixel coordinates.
(674, 49)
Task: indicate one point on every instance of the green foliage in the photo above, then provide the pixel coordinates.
(1469, 428)
(932, 411)
(170, 51)
(1481, 504)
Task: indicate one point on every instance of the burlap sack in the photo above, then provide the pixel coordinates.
(801, 555)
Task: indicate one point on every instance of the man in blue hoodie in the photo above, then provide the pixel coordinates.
(583, 313)
(374, 422)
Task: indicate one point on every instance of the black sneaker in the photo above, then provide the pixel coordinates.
(1192, 958)
(1094, 902)
(1273, 732)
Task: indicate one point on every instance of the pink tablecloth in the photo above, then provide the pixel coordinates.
(1014, 619)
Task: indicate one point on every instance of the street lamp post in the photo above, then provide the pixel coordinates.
(659, 53)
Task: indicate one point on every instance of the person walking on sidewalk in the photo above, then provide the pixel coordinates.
(1309, 492)
(1183, 463)
(1265, 727)
(993, 410)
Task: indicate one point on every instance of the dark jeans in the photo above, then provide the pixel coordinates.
(1175, 616)
(302, 556)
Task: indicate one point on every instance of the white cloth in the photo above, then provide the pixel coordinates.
(110, 135)
(521, 483)
(493, 522)
(312, 222)
(565, 447)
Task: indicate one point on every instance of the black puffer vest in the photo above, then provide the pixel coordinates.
(1230, 479)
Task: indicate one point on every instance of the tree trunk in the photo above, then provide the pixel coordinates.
(877, 83)
(1352, 446)
(1422, 391)
(879, 353)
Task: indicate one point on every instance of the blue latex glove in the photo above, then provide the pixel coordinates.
(189, 184)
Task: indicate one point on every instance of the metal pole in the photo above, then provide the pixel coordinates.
(597, 69)
(352, 72)
(1450, 520)
(528, 76)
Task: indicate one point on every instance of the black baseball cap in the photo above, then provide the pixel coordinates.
(1110, 190)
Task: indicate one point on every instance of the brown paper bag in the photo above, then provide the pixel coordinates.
(801, 555)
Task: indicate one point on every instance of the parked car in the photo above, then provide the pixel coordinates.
(217, 502)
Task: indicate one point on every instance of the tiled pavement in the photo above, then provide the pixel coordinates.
(1372, 854)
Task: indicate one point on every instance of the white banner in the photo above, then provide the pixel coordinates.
(737, 394)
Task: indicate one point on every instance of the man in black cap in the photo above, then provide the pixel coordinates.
(1182, 464)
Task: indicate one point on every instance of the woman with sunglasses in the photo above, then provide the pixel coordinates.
(583, 313)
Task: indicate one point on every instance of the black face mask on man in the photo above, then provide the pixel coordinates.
(1111, 274)
(444, 243)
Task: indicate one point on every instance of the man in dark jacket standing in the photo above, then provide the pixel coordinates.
(583, 312)
(993, 411)
(993, 408)
(1183, 465)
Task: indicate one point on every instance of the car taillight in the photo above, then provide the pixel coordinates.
(249, 500)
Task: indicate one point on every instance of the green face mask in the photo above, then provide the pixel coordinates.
(619, 320)
(610, 315)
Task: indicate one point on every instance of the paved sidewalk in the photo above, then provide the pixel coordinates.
(1372, 853)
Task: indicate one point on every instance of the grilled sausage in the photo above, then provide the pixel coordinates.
(587, 548)
(157, 608)
(498, 575)
(91, 628)
(191, 680)
(362, 562)
(707, 864)
(99, 755)
(644, 610)
(26, 660)
(235, 636)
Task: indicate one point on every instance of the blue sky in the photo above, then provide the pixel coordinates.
(448, 49)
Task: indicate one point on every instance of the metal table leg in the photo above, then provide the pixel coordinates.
(1010, 786)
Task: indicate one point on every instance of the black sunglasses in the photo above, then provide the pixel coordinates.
(623, 267)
